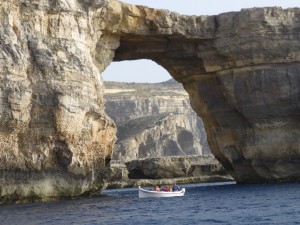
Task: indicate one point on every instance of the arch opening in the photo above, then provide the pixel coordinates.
(153, 116)
(136, 71)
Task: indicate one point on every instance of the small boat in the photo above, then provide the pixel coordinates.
(159, 194)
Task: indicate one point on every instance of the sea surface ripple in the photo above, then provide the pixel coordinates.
(215, 203)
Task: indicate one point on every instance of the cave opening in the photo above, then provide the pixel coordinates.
(154, 120)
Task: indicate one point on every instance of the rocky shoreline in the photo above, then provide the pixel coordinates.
(153, 171)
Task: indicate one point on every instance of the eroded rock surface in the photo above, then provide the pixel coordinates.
(174, 167)
(240, 70)
(153, 120)
(159, 136)
(55, 137)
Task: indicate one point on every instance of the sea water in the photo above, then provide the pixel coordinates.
(215, 203)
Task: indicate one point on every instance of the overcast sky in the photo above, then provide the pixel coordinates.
(148, 71)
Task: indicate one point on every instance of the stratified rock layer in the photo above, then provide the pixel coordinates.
(153, 120)
(159, 136)
(241, 71)
(55, 137)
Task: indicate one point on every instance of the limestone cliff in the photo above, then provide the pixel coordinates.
(153, 120)
(55, 137)
(159, 136)
(241, 71)
(127, 101)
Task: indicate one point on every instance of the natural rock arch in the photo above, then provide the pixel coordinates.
(240, 70)
(242, 84)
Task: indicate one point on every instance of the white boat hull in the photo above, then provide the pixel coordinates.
(160, 194)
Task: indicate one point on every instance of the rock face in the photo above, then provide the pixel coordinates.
(174, 167)
(153, 120)
(167, 170)
(241, 71)
(127, 101)
(159, 136)
(55, 137)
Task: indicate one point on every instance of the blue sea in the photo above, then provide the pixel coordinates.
(214, 203)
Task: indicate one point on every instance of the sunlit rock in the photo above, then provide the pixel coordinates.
(55, 137)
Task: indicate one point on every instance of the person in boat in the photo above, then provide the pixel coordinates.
(157, 188)
(175, 187)
(167, 188)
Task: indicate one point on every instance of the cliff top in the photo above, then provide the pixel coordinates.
(122, 89)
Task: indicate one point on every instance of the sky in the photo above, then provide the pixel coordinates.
(148, 71)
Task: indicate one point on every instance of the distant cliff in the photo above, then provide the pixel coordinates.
(154, 120)
(159, 136)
